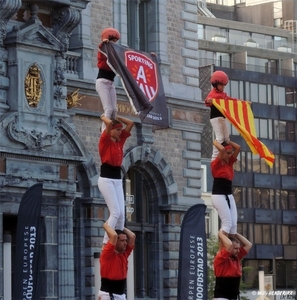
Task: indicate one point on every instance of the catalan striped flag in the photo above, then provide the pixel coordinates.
(240, 115)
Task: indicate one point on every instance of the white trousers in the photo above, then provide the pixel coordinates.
(105, 296)
(221, 132)
(107, 93)
(227, 215)
(112, 191)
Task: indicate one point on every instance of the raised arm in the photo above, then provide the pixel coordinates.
(246, 244)
(236, 148)
(131, 236)
(128, 123)
(108, 123)
(113, 236)
(221, 149)
(225, 242)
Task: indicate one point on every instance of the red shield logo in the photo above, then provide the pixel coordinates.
(144, 71)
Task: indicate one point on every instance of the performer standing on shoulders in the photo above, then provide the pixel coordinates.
(227, 266)
(219, 80)
(114, 263)
(223, 173)
(111, 144)
(105, 80)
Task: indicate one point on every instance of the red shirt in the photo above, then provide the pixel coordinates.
(227, 266)
(114, 265)
(216, 94)
(112, 152)
(102, 61)
(220, 169)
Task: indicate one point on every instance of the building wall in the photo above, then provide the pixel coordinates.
(66, 156)
(265, 222)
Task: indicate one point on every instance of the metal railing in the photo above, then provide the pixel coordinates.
(248, 67)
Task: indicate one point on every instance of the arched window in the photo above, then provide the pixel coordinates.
(147, 189)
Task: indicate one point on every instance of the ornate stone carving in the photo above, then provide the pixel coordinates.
(33, 85)
(65, 20)
(73, 98)
(34, 139)
(7, 10)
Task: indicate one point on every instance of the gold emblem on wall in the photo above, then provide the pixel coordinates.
(33, 85)
(73, 98)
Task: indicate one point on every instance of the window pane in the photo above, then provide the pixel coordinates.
(290, 97)
(234, 89)
(258, 234)
(143, 26)
(279, 42)
(293, 235)
(210, 32)
(256, 163)
(272, 199)
(291, 132)
(280, 274)
(291, 274)
(291, 166)
(200, 31)
(284, 200)
(257, 198)
(263, 133)
(247, 92)
(223, 59)
(292, 200)
(249, 198)
(237, 193)
(269, 94)
(262, 93)
(283, 165)
(266, 234)
(254, 92)
(265, 198)
(285, 235)
(270, 129)
(235, 37)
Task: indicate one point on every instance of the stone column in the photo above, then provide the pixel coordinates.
(8, 9)
(1, 255)
(65, 249)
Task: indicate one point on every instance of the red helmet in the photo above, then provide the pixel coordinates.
(110, 34)
(219, 77)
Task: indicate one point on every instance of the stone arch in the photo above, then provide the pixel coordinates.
(157, 173)
(87, 171)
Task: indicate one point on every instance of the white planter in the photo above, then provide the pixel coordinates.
(219, 39)
(284, 49)
(251, 44)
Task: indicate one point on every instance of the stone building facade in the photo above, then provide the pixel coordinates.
(45, 138)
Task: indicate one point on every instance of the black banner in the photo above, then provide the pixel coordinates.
(142, 80)
(192, 268)
(26, 270)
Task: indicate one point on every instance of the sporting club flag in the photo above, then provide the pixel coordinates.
(141, 78)
(240, 115)
(192, 266)
(26, 271)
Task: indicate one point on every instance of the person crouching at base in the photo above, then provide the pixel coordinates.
(114, 263)
(227, 265)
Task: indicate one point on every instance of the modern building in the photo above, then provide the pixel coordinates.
(258, 52)
(49, 116)
(46, 138)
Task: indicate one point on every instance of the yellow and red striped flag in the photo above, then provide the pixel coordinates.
(240, 115)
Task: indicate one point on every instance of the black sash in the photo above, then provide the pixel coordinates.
(113, 286)
(109, 171)
(227, 287)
